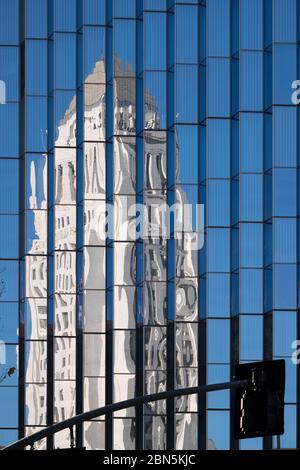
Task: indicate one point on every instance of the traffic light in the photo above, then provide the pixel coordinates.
(259, 407)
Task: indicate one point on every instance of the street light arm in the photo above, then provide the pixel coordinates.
(111, 408)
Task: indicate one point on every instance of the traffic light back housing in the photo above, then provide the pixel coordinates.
(259, 407)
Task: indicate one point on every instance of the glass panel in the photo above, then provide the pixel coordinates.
(36, 318)
(218, 147)
(123, 9)
(35, 405)
(251, 73)
(9, 280)
(124, 47)
(186, 344)
(36, 67)
(9, 407)
(186, 431)
(65, 118)
(94, 170)
(94, 393)
(94, 311)
(251, 291)
(9, 22)
(284, 332)
(186, 34)
(36, 181)
(7, 436)
(124, 434)
(9, 236)
(285, 240)
(124, 165)
(186, 377)
(64, 403)
(36, 119)
(153, 439)
(218, 373)
(155, 49)
(9, 66)
(36, 361)
(155, 100)
(125, 98)
(285, 71)
(288, 440)
(251, 24)
(218, 430)
(285, 23)
(251, 337)
(155, 160)
(218, 28)
(218, 336)
(94, 355)
(285, 286)
(94, 268)
(94, 11)
(65, 61)
(9, 321)
(155, 303)
(64, 358)
(284, 192)
(9, 187)
(65, 315)
(251, 197)
(9, 129)
(94, 435)
(65, 272)
(218, 203)
(187, 141)
(124, 351)
(124, 274)
(251, 245)
(186, 102)
(186, 299)
(285, 136)
(218, 91)
(124, 389)
(36, 19)
(35, 222)
(65, 15)
(124, 307)
(218, 295)
(251, 142)
(94, 54)
(94, 112)
(155, 348)
(218, 242)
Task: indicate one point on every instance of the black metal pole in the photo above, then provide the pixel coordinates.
(49, 431)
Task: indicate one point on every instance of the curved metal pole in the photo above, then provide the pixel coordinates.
(88, 415)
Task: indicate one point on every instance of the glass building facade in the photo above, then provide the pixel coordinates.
(116, 102)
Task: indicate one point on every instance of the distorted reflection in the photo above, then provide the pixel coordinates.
(93, 159)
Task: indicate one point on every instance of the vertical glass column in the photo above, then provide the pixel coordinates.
(123, 197)
(141, 384)
(11, 407)
(267, 156)
(251, 181)
(284, 204)
(33, 281)
(218, 233)
(62, 210)
(91, 193)
(154, 115)
(183, 142)
(234, 207)
(202, 254)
